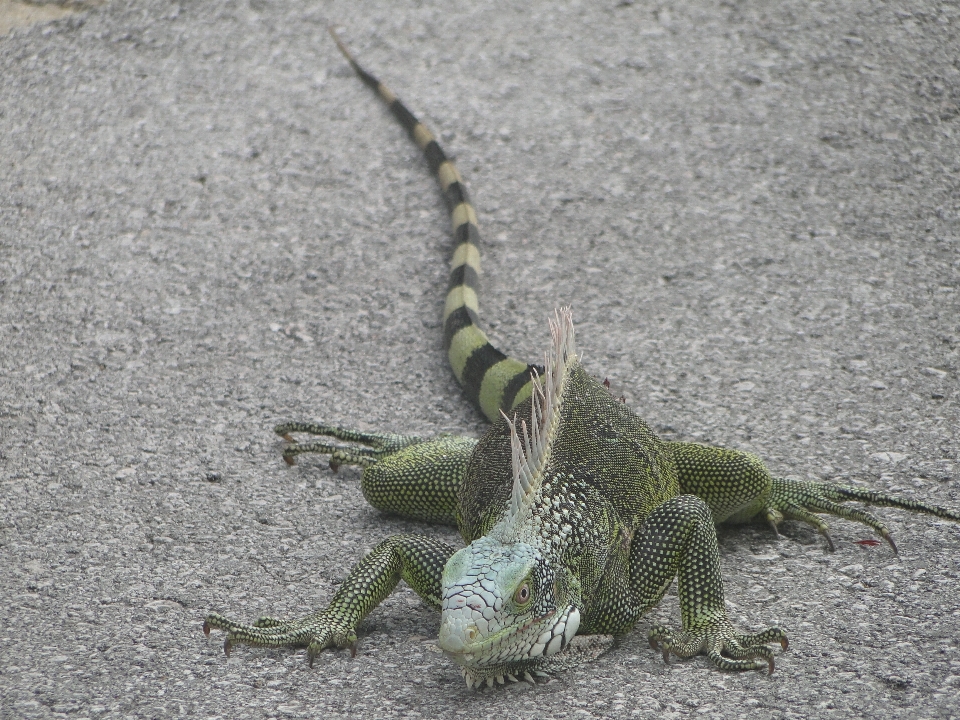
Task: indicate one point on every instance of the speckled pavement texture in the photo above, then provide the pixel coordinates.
(208, 225)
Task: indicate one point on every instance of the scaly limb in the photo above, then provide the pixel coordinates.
(723, 646)
(417, 559)
(799, 500)
(402, 474)
(372, 446)
(678, 539)
(737, 488)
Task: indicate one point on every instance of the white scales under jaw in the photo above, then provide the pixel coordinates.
(554, 649)
(581, 649)
(474, 680)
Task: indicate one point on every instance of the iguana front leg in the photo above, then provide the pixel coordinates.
(402, 474)
(417, 559)
(678, 539)
(737, 487)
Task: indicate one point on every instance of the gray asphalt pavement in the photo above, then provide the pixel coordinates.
(208, 225)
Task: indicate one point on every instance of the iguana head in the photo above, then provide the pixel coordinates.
(510, 605)
(505, 610)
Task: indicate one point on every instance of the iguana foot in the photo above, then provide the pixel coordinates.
(315, 632)
(369, 447)
(799, 500)
(726, 648)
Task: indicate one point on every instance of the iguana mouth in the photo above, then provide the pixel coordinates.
(510, 652)
(579, 650)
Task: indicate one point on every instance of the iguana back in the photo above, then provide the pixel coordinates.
(600, 443)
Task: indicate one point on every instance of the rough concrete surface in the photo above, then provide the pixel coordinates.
(208, 225)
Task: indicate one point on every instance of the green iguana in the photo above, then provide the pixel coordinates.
(576, 516)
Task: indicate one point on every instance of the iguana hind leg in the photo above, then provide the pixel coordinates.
(417, 559)
(402, 474)
(678, 539)
(738, 488)
(730, 482)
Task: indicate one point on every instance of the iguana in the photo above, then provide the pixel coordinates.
(576, 516)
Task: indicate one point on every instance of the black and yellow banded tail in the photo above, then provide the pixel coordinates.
(490, 379)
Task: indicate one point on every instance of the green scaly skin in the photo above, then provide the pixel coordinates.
(645, 508)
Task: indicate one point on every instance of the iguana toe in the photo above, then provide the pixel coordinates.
(799, 500)
(725, 648)
(363, 449)
(317, 632)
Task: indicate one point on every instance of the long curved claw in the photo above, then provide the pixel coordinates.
(774, 518)
(893, 545)
(655, 645)
(796, 512)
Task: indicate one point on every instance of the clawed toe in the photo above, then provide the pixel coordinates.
(316, 632)
(800, 500)
(726, 649)
(364, 449)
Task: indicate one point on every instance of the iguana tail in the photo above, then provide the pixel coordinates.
(490, 379)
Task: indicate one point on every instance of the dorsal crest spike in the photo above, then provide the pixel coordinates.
(531, 452)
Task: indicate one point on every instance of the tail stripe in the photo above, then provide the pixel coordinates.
(480, 361)
(463, 214)
(459, 297)
(518, 388)
(456, 194)
(467, 237)
(448, 175)
(501, 385)
(457, 321)
(423, 138)
(465, 275)
(382, 90)
(467, 340)
(490, 379)
(434, 154)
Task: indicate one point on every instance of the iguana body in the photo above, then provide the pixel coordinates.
(575, 524)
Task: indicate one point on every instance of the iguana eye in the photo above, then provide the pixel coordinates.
(522, 593)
